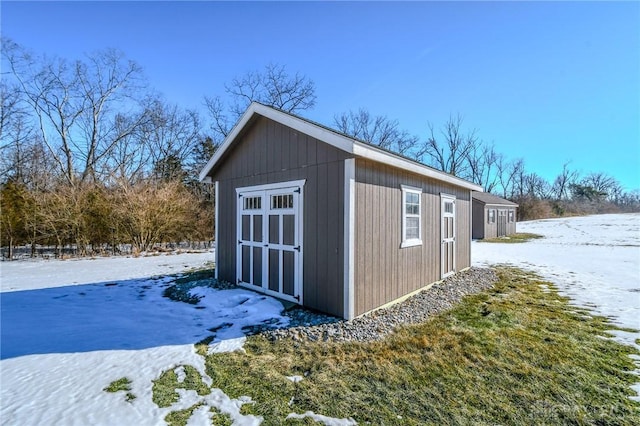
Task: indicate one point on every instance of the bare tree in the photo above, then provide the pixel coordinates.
(273, 86)
(171, 135)
(536, 186)
(150, 213)
(562, 183)
(482, 166)
(510, 172)
(74, 103)
(130, 158)
(378, 130)
(450, 153)
(599, 187)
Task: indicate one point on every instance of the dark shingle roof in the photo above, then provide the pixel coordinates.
(487, 198)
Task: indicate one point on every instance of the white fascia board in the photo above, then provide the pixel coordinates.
(227, 141)
(371, 153)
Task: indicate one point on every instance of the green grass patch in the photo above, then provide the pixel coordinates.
(165, 386)
(180, 417)
(179, 290)
(208, 273)
(122, 384)
(203, 277)
(519, 237)
(511, 355)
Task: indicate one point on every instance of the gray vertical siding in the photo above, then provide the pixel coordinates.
(482, 228)
(479, 217)
(384, 271)
(268, 152)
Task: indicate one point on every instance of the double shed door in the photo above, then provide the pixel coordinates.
(269, 229)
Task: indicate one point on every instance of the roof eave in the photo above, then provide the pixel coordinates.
(372, 153)
(349, 145)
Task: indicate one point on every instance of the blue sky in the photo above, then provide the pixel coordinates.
(549, 82)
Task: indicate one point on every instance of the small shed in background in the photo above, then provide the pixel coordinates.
(492, 216)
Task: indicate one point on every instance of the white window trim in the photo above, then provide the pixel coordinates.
(490, 218)
(413, 241)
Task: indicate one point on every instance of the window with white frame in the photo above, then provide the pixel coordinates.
(511, 216)
(491, 218)
(411, 216)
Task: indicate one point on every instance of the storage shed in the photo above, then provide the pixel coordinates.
(315, 217)
(492, 216)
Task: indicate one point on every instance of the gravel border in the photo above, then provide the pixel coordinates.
(308, 325)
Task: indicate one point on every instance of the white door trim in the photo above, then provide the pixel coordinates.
(447, 198)
(296, 188)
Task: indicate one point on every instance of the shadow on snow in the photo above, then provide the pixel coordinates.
(124, 315)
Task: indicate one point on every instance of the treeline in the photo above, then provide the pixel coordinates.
(461, 152)
(93, 158)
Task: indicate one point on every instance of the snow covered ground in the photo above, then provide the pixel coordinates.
(34, 274)
(595, 260)
(70, 328)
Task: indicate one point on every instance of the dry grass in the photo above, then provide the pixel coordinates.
(519, 237)
(511, 355)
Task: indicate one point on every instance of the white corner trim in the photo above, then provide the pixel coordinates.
(216, 199)
(349, 237)
(470, 236)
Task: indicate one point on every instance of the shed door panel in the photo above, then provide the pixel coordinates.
(448, 233)
(502, 223)
(270, 240)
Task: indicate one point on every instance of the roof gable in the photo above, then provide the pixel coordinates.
(331, 137)
(486, 198)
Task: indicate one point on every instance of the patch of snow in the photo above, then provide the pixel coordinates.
(594, 260)
(228, 345)
(32, 274)
(327, 421)
(200, 416)
(61, 345)
(231, 407)
(181, 375)
(295, 379)
(217, 400)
